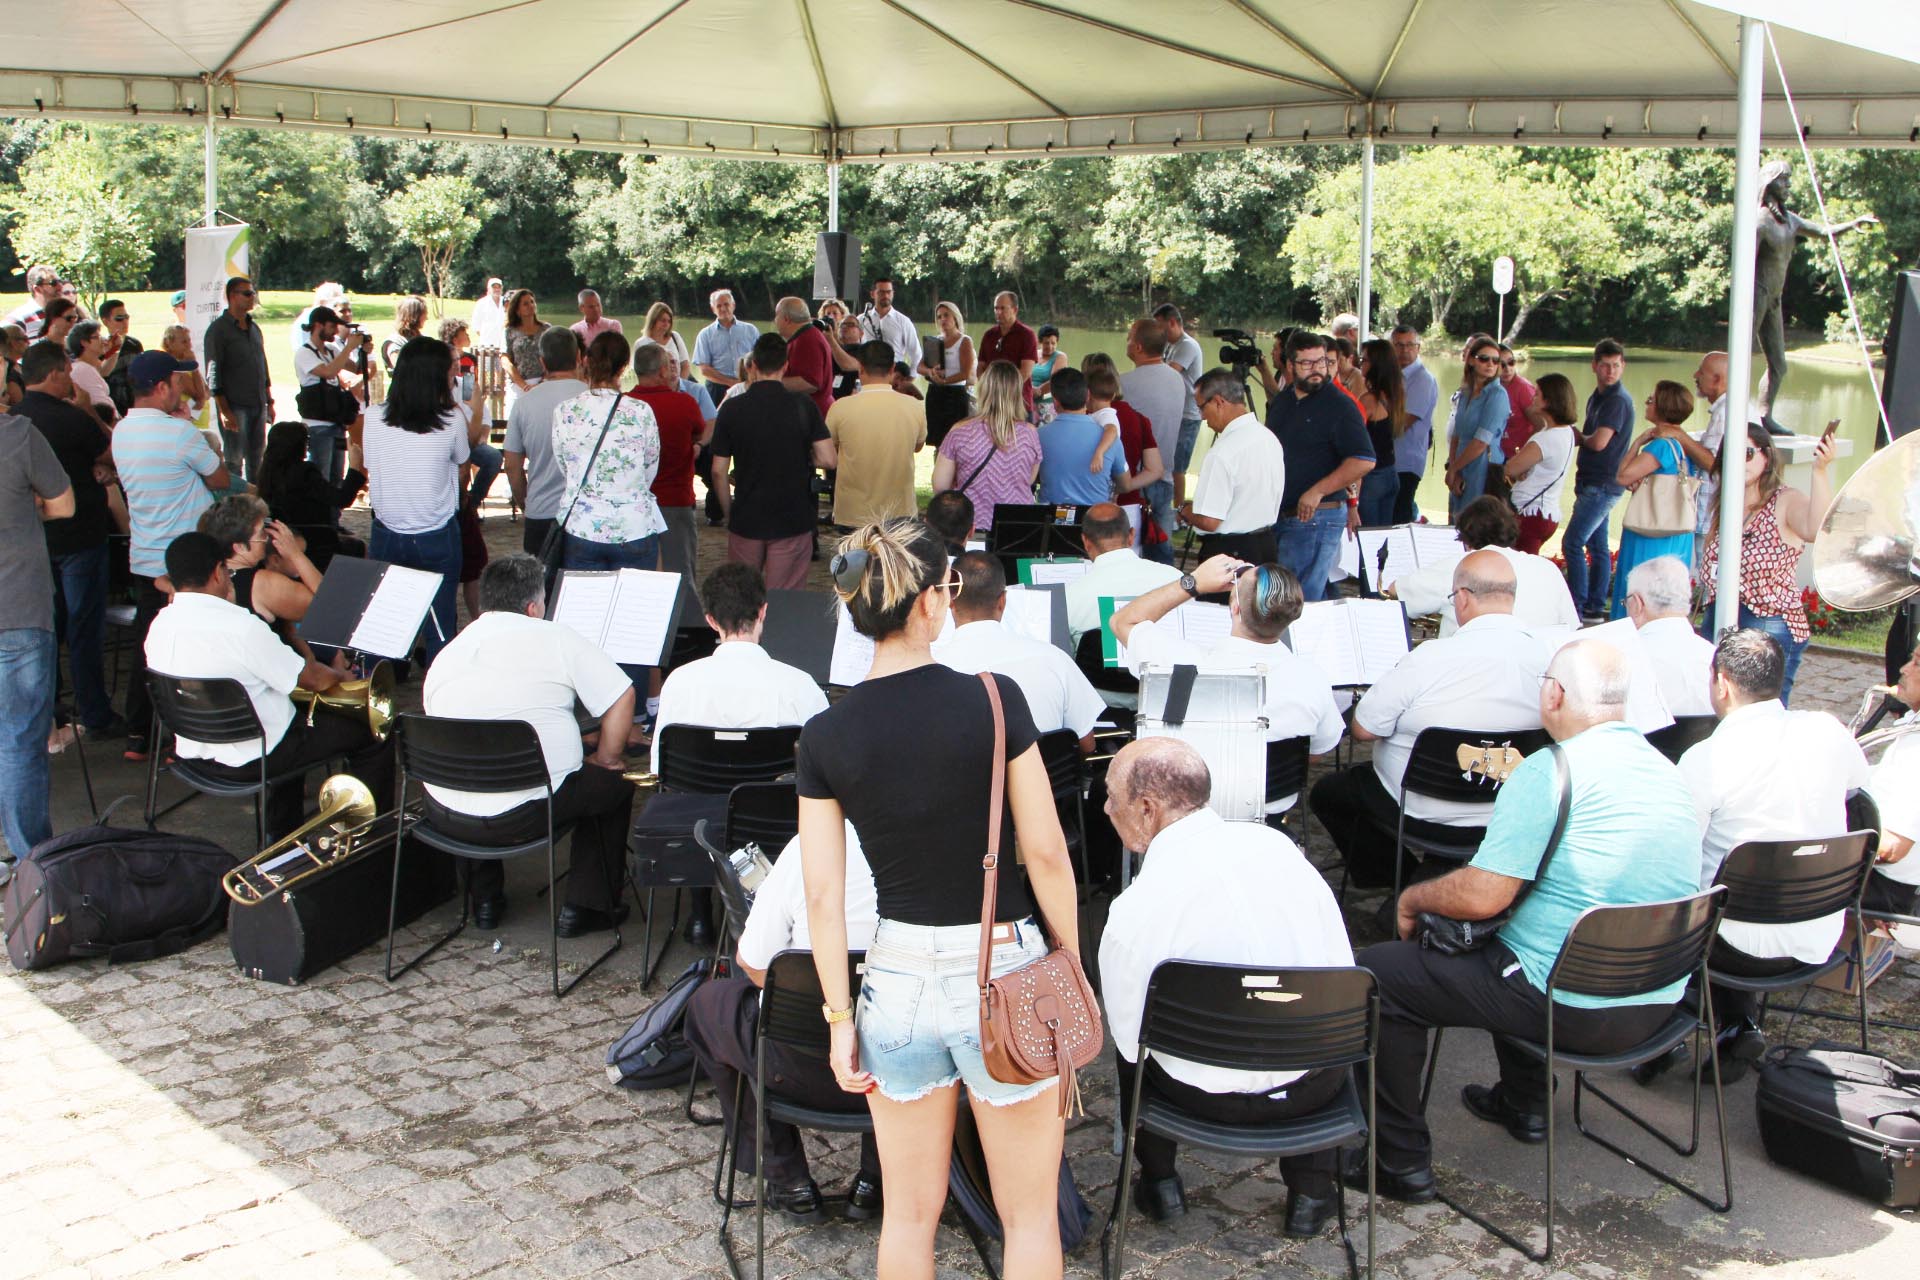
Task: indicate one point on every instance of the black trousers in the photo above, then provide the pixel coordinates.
(600, 804)
(1310, 1175)
(1422, 989)
(533, 533)
(1884, 893)
(722, 1017)
(148, 600)
(1731, 1005)
(1360, 814)
(332, 734)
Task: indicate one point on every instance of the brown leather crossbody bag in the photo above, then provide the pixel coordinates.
(1041, 1020)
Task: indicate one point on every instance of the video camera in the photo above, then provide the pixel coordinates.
(1238, 349)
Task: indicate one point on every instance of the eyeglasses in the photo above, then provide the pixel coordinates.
(1752, 450)
(245, 293)
(1457, 590)
(1486, 359)
(1555, 679)
(1506, 364)
(952, 586)
(1309, 365)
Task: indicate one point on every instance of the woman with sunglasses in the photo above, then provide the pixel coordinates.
(1480, 412)
(1779, 523)
(1656, 452)
(907, 756)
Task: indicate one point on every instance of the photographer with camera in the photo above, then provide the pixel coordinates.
(325, 405)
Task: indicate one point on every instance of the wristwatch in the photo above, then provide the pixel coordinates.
(833, 1015)
(1188, 585)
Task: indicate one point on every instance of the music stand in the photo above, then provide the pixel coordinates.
(1036, 531)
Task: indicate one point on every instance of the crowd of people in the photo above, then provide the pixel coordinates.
(230, 529)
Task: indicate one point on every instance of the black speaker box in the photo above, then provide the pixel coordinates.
(1901, 390)
(836, 266)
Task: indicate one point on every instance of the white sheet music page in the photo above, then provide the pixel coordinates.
(1436, 544)
(1379, 631)
(1322, 635)
(641, 619)
(1401, 556)
(584, 601)
(395, 612)
(852, 652)
(1348, 565)
(1647, 709)
(1203, 625)
(1029, 614)
(1047, 571)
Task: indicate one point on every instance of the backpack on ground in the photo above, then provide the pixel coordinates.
(123, 893)
(654, 1053)
(1844, 1117)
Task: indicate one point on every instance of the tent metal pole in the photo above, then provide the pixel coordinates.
(833, 196)
(1365, 308)
(211, 178)
(1746, 210)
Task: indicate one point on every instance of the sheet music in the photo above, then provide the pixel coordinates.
(1379, 635)
(1348, 565)
(1203, 625)
(1353, 642)
(1041, 572)
(641, 616)
(1647, 708)
(395, 611)
(1401, 556)
(853, 652)
(1436, 544)
(1030, 613)
(584, 601)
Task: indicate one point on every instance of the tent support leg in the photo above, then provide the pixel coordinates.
(1365, 307)
(1746, 210)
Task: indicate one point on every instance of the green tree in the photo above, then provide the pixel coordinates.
(439, 215)
(67, 213)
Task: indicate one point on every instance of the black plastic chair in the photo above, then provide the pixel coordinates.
(1686, 731)
(690, 644)
(1792, 882)
(1287, 761)
(1242, 1018)
(699, 767)
(216, 712)
(1620, 953)
(1067, 778)
(481, 756)
(1087, 655)
(1433, 772)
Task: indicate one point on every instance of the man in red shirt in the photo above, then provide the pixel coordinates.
(1011, 341)
(809, 359)
(682, 431)
(1522, 419)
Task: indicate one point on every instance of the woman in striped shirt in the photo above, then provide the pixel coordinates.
(994, 457)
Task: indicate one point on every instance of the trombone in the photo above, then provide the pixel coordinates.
(347, 806)
(371, 697)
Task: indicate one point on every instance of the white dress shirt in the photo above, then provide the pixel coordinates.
(1895, 787)
(778, 920)
(740, 686)
(203, 637)
(1121, 574)
(507, 666)
(1218, 891)
(1058, 694)
(1242, 478)
(489, 322)
(1486, 675)
(1768, 773)
(1683, 662)
(1540, 595)
(897, 331)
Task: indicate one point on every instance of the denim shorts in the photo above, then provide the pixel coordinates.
(919, 1011)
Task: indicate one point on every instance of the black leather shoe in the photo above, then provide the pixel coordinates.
(799, 1202)
(488, 911)
(577, 922)
(864, 1199)
(1490, 1103)
(1161, 1199)
(698, 932)
(1739, 1047)
(1652, 1069)
(1307, 1215)
(1415, 1186)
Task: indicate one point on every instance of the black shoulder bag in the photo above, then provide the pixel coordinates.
(1452, 937)
(553, 549)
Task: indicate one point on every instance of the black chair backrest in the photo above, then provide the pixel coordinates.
(1791, 881)
(790, 1002)
(690, 644)
(1863, 814)
(1088, 657)
(1066, 767)
(471, 755)
(709, 761)
(1433, 768)
(763, 813)
(733, 895)
(1621, 952)
(216, 711)
(1673, 741)
(1287, 767)
(1244, 1018)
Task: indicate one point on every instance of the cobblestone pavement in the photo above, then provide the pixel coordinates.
(176, 1118)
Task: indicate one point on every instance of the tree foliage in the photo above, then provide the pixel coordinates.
(68, 213)
(439, 216)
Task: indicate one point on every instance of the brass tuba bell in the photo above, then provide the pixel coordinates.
(371, 697)
(1867, 553)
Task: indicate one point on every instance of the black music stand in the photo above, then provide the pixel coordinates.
(1036, 531)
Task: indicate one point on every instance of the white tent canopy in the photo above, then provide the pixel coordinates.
(864, 80)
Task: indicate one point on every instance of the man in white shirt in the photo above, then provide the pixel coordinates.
(1767, 773)
(1659, 598)
(1895, 788)
(1710, 380)
(882, 323)
(1222, 892)
(204, 635)
(512, 664)
(489, 319)
(723, 1015)
(1541, 598)
(1484, 676)
(533, 473)
(1117, 570)
(1263, 601)
(1057, 693)
(321, 360)
(1242, 479)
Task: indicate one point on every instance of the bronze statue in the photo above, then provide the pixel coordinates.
(1779, 230)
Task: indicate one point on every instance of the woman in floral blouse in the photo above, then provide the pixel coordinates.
(612, 520)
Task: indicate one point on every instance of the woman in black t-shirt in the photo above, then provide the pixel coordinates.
(907, 757)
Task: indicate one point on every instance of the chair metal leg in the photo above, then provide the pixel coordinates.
(728, 1203)
(153, 770)
(1113, 1262)
(1720, 1115)
(1433, 1061)
(653, 963)
(86, 774)
(722, 1167)
(393, 906)
(553, 933)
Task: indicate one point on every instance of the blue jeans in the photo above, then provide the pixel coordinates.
(641, 553)
(486, 465)
(1474, 478)
(80, 617)
(1583, 539)
(1183, 447)
(244, 447)
(27, 660)
(1158, 497)
(436, 551)
(1775, 627)
(1311, 547)
(1379, 493)
(323, 446)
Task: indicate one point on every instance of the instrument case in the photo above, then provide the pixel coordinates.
(1844, 1117)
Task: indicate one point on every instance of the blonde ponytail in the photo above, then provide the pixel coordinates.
(879, 570)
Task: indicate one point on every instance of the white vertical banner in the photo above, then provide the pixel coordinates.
(214, 254)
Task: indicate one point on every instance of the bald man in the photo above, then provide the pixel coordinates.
(1710, 380)
(809, 359)
(1629, 838)
(1486, 675)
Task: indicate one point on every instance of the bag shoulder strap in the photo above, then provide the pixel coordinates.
(1563, 785)
(991, 450)
(991, 863)
(586, 472)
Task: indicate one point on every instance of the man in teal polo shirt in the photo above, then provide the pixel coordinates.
(1627, 840)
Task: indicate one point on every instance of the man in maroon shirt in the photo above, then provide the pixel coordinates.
(682, 431)
(1522, 418)
(809, 359)
(1011, 341)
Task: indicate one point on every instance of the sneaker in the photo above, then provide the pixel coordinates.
(136, 748)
